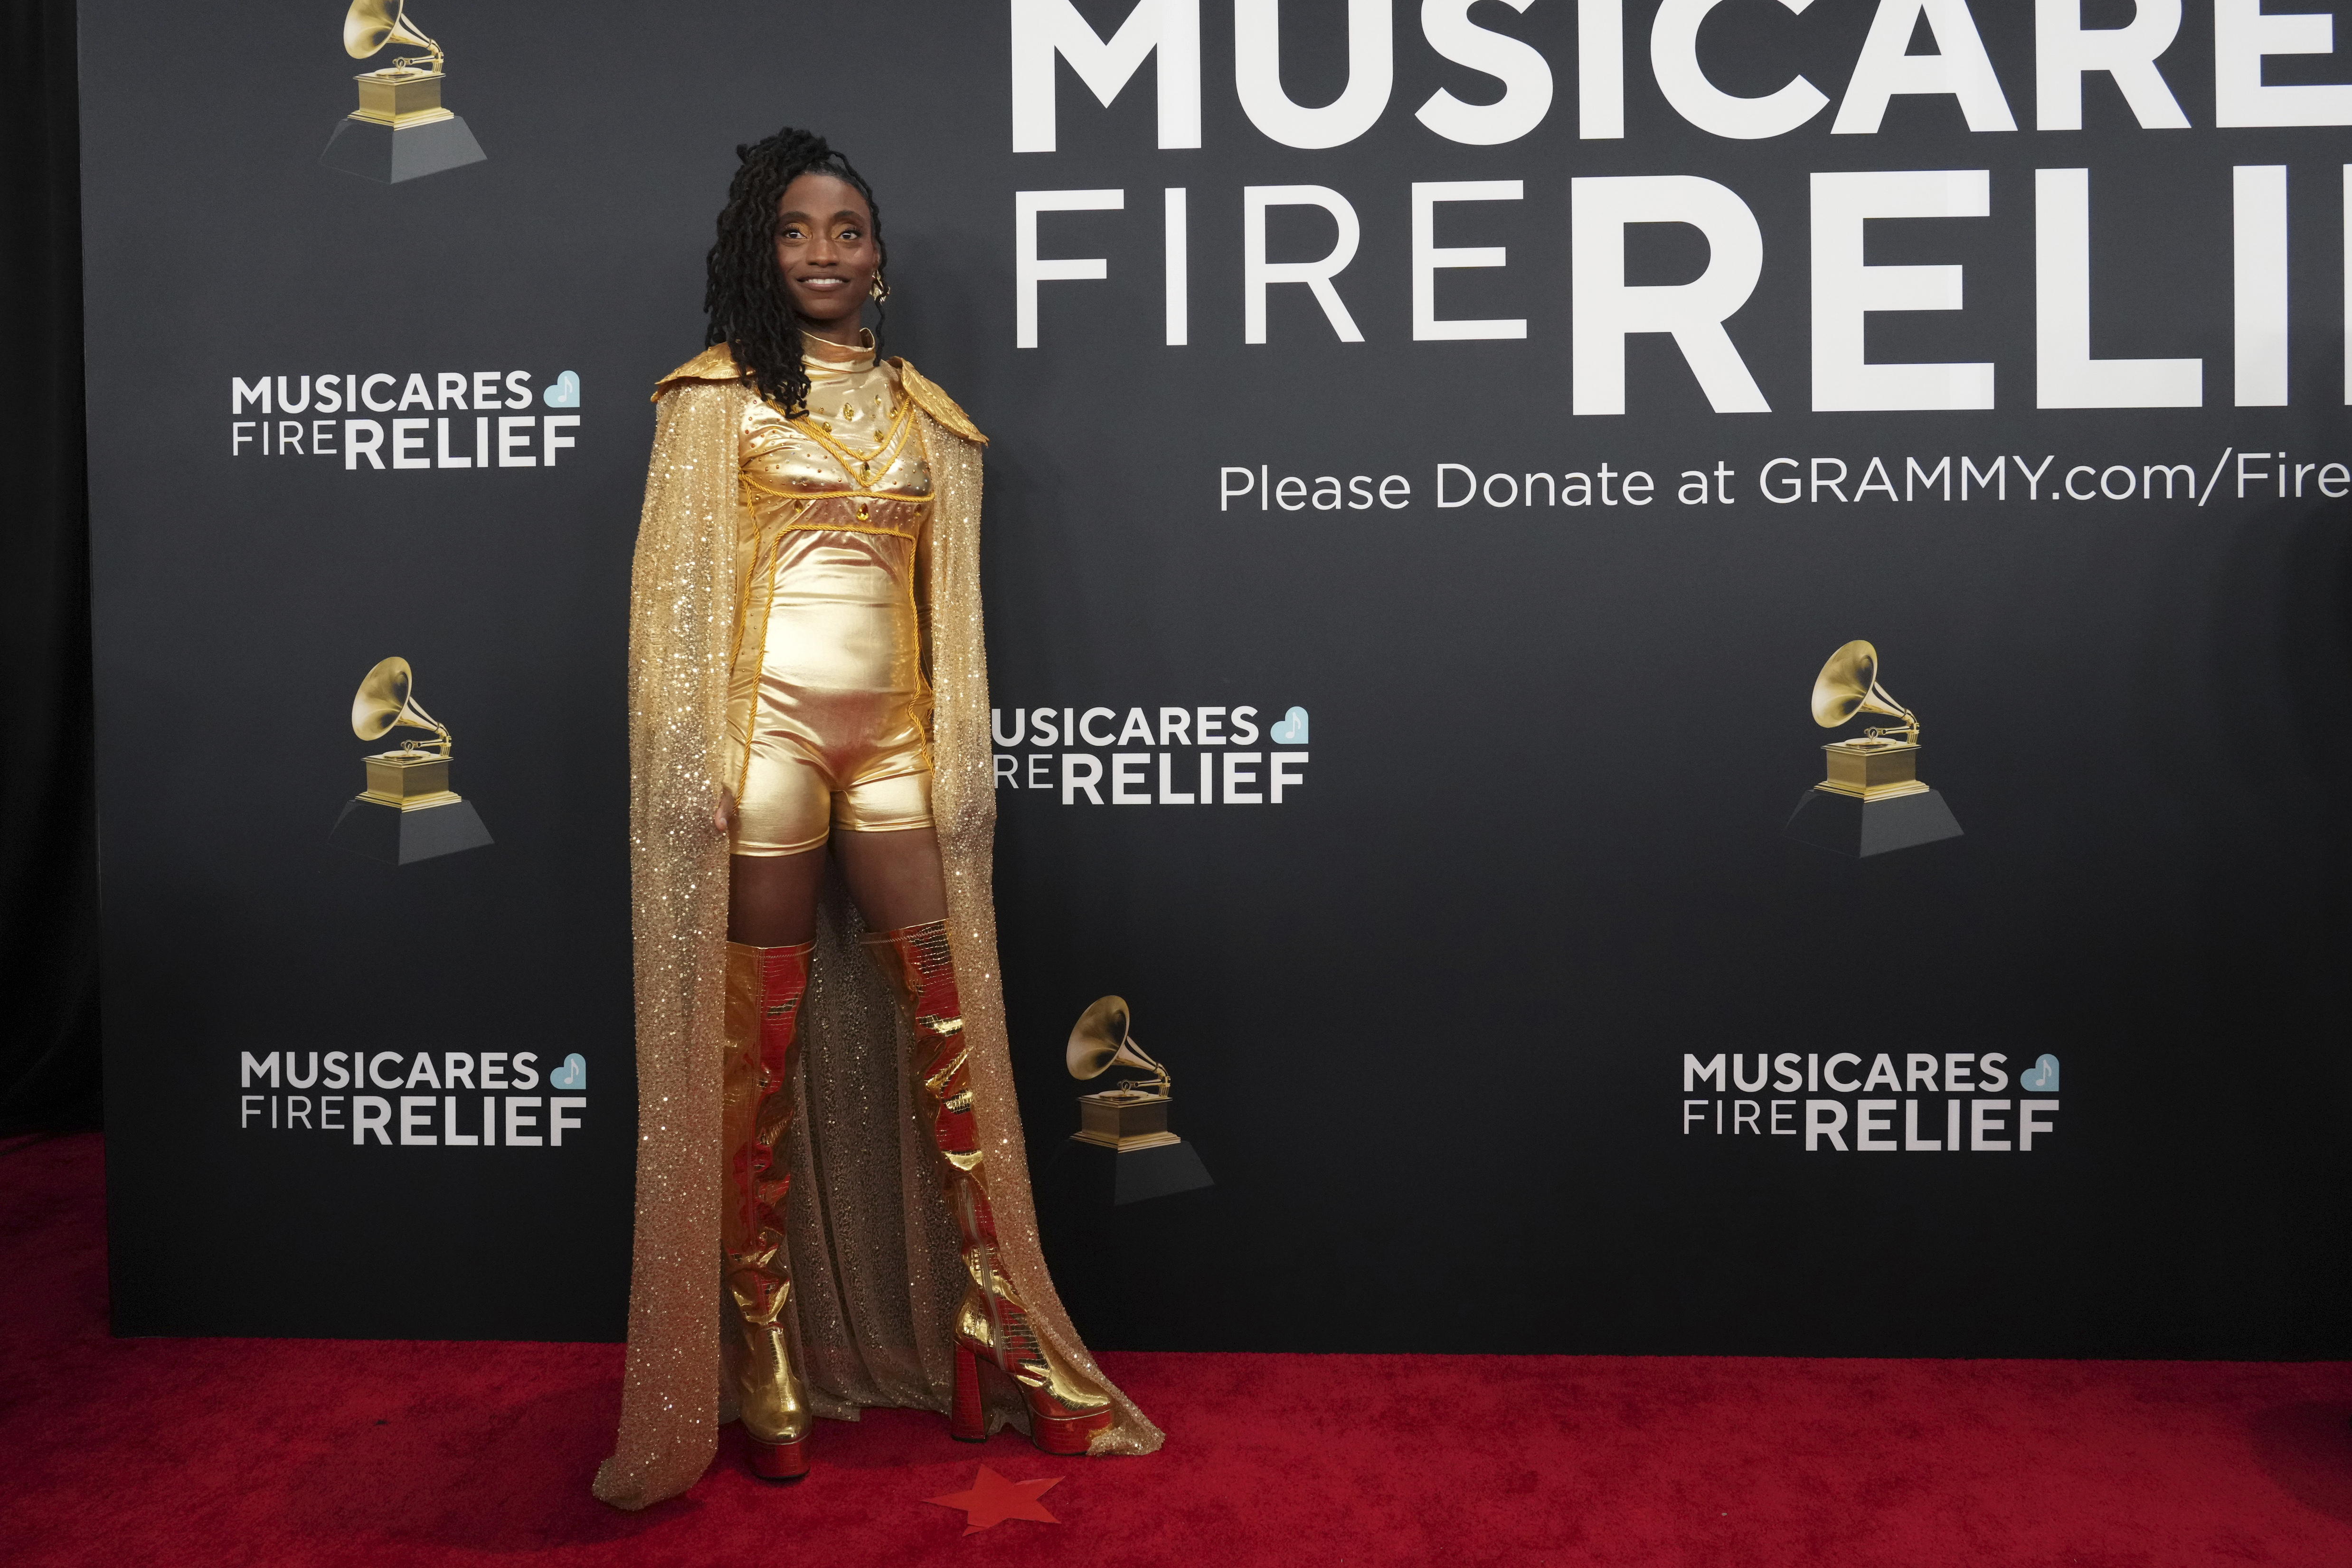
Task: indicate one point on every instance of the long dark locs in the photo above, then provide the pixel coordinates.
(748, 306)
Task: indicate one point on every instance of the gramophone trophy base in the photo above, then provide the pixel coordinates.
(1124, 1153)
(1124, 1119)
(390, 154)
(1872, 770)
(398, 838)
(409, 812)
(409, 781)
(1097, 1177)
(1849, 825)
(400, 97)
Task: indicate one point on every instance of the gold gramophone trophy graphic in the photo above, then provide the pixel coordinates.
(1872, 800)
(407, 812)
(400, 131)
(1144, 1159)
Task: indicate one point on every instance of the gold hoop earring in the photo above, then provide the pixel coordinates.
(880, 291)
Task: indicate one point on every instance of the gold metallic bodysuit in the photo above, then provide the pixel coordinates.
(828, 706)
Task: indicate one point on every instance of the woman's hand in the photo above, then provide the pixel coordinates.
(723, 815)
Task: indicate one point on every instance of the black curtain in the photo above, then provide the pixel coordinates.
(48, 812)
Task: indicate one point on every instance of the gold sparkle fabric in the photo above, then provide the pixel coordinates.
(681, 598)
(875, 1257)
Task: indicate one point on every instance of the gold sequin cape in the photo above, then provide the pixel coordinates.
(873, 1250)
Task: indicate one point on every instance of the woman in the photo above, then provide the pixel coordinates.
(807, 674)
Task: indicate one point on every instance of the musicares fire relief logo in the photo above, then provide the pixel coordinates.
(1946, 1103)
(315, 1091)
(1201, 755)
(428, 428)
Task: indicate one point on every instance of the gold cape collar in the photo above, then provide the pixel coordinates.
(718, 363)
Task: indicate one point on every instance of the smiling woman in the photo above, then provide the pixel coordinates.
(807, 670)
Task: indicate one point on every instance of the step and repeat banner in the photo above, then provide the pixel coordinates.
(1445, 455)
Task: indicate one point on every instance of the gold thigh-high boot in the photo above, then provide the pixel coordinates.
(764, 987)
(1066, 1409)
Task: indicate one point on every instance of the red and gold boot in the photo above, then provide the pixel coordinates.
(764, 987)
(1066, 1409)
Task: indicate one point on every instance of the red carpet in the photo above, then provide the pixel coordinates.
(374, 1455)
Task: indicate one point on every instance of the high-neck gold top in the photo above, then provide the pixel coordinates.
(830, 703)
(851, 462)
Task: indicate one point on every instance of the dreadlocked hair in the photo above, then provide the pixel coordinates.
(748, 306)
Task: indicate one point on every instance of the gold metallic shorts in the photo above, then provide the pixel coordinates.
(820, 759)
(791, 804)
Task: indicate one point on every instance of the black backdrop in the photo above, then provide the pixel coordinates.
(1430, 1016)
(49, 866)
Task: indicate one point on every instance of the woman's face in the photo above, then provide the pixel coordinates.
(825, 248)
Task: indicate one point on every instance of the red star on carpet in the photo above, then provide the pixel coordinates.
(992, 1499)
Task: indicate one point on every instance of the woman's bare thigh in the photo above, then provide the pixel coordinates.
(894, 877)
(772, 899)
